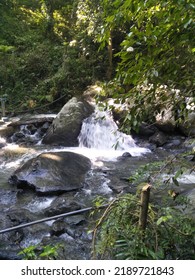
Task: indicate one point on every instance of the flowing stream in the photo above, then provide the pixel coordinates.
(112, 153)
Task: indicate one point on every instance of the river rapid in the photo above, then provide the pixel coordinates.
(115, 156)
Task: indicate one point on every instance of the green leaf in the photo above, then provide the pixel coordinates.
(188, 23)
(178, 173)
(163, 219)
(175, 181)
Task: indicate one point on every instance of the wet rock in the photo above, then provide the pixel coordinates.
(7, 131)
(2, 144)
(9, 219)
(18, 135)
(76, 220)
(66, 127)
(146, 130)
(19, 216)
(126, 154)
(9, 253)
(31, 128)
(174, 143)
(28, 130)
(62, 204)
(54, 172)
(36, 121)
(159, 138)
(58, 227)
(45, 127)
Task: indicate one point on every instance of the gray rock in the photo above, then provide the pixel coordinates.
(66, 126)
(146, 130)
(58, 227)
(8, 253)
(54, 172)
(173, 143)
(62, 204)
(28, 120)
(159, 138)
(2, 144)
(19, 135)
(31, 128)
(13, 218)
(45, 127)
(126, 154)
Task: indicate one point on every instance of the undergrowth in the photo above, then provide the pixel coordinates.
(170, 230)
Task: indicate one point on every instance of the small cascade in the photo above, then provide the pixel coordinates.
(28, 134)
(100, 134)
(99, 131)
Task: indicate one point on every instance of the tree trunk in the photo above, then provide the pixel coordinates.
(3, 107)
(110, 66)
(50, 18)
(145, 196)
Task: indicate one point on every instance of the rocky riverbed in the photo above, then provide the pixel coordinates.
(39, 180)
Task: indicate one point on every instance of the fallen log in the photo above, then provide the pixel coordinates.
(34, 121)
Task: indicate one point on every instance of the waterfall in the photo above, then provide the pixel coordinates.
(99, 131)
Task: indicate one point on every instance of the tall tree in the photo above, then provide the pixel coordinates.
(157, 50)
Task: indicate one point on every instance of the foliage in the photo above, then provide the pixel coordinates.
(156, 55)
(52, 50)
(170, 229)
(174, 166)
(45, 52)
(35, 252)
(169, 233)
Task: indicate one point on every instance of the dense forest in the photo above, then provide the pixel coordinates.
(141, 50)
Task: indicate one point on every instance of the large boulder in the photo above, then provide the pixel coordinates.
(54, 172)
(67, 125)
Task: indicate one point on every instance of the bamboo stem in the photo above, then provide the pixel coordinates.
(145, 196)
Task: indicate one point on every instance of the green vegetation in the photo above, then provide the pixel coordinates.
(156, 55)
(169, 231)
(39, 252)
(45, 53)
(144, 50)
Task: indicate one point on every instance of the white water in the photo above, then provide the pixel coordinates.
(2, 140)
(99, 131)
(99, 140)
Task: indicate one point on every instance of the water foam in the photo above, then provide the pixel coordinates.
(101, 137)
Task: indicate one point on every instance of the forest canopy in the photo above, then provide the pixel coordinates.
(142, 50)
